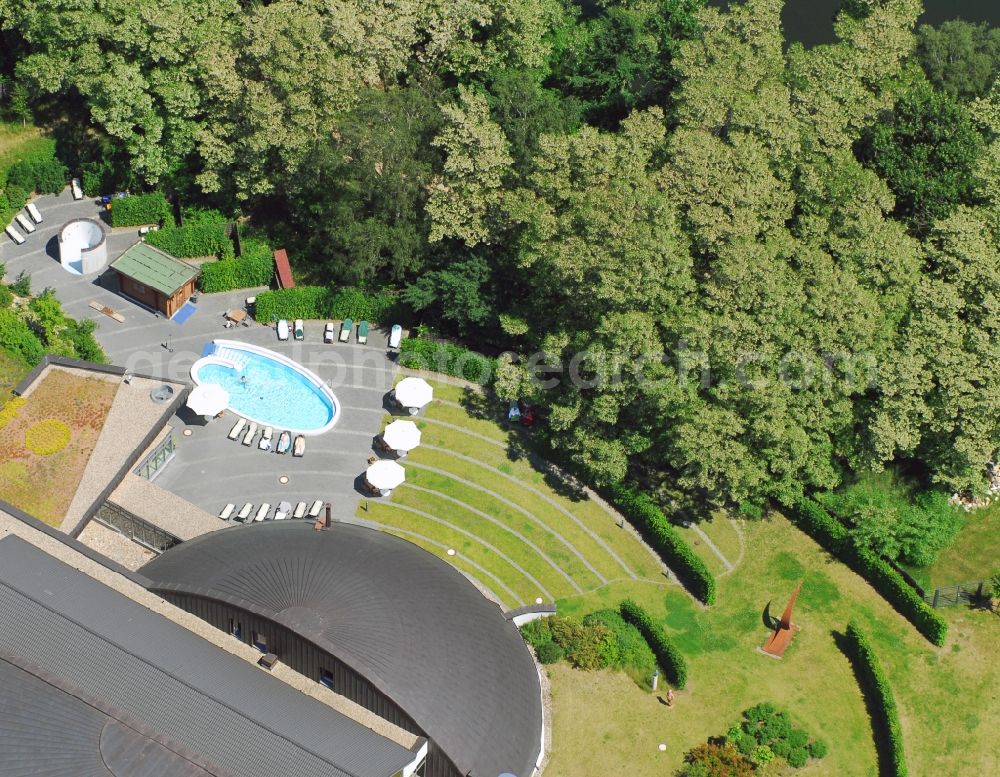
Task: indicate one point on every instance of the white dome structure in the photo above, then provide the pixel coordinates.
(83, 248)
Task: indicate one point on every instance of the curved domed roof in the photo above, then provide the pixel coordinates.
(407, 621)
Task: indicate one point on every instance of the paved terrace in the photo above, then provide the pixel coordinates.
(209, 470)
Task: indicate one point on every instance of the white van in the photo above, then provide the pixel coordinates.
(283, 329)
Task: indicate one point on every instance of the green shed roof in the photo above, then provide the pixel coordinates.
(153, 268)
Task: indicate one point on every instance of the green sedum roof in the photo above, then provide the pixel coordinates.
(153, 268)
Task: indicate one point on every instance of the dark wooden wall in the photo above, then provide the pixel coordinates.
(310, 660)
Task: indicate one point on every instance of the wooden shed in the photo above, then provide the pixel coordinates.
(155, 278)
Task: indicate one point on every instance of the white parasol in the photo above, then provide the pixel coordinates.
(385, 475)
(401, 436)
(414, 393)
(208, 399)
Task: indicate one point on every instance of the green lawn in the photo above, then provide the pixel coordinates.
(973, 556)
(480, 496)
(947, 697)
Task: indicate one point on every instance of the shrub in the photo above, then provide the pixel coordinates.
(22, 284)
(537, 632)
(190, 241)
(6, 297)
(781, 748)
(632, 648)
(643, 513)
(320, 302)
(47, 436)
(194, 215)
(712, 760)
(762, 755)
(421, 354)
(137, 210)
(818, 748)
(85, 345)
(832, 535)
(798, 738)
(798, 757)
(667, 656)
(877, 687)
(549, 652)
(50, 176)
(17, 338)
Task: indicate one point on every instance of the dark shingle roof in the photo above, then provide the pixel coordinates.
(225, 710)
(405, 620)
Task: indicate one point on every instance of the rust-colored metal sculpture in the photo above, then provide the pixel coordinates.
(779, 641)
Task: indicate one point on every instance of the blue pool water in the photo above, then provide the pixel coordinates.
(273, 393)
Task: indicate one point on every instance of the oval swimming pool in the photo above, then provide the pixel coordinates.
(267, 387)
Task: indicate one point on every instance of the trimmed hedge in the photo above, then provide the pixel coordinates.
(320, 302)
(254, 267)
(192, 241)
(42, 175)
(870, 671)
(419, 354)
(667, 656)
(815, 521)
(643, 513)
(137, 210)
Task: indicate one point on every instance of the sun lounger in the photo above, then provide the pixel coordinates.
(265, 439)
(74, 187)
(33, 212)
(25, 223)
(284, 442)
(235, 431)
(244, 512)
(227, 511)
(395, 336)
(299, 448)
(300, 510)
(345, 330)
(16, 236)
(283, 511)
(262, 511)
(363, 332)
(328, 335)
(251, 432)
(316, 507)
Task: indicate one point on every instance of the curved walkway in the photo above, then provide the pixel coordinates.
(504, 527)
(474, 538)
(573, 549)
(545, 498)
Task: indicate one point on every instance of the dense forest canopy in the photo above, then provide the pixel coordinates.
(761, 267)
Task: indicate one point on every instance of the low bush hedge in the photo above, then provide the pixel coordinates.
(190, 241)
(874, 680)
(320, 302)
(137, 210)
(255, 267)
(815, 521)
(43, 175)
(650, 521)
(667, 656)
(419, 354)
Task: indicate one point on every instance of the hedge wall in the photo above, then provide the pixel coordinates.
(254, 267)
(643, 513)
(815, 521)
(320, 302)
(667, 656)
(137, 210)
(192, 241)
(869, 669)
(419, 354)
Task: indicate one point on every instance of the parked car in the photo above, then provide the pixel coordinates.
(328, 334)
(282, 329)
(297, 331)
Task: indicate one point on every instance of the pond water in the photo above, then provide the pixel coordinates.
(811, 21)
